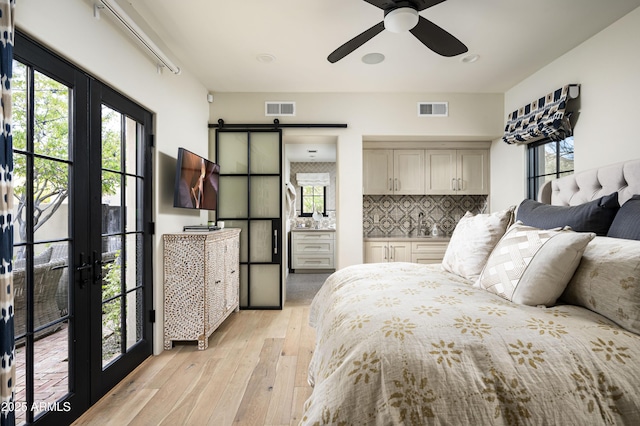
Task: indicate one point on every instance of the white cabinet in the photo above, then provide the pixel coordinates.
(459, 172)
(201, 283)
(387, 251)
(428, 251)
(389, 171)
(312, 250)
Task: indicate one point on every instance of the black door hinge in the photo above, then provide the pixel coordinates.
(152, 140)
(152, 315)
(152, 228)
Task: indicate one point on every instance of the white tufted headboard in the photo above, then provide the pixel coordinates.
(592, 184)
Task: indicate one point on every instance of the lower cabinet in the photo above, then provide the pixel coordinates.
(312, 250)
(423, 251)
(387, 251)
(201, 283)
(428, 251)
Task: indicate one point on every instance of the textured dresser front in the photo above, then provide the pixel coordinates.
(200, 283)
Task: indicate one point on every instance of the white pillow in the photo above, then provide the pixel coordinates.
(472, 241)
(532, 266)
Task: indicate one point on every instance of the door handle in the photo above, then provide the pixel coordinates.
(84, 266)
(275, 241)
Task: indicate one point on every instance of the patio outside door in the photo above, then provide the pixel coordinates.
(82, 241)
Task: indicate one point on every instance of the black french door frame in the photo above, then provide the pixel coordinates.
(87, 381)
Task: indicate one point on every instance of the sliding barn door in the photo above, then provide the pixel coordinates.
(250, 198)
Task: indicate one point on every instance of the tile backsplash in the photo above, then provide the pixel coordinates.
(397, 215)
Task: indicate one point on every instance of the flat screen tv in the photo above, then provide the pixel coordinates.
(196, 185)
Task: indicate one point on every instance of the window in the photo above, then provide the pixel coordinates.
(548, 160)
(313, 199)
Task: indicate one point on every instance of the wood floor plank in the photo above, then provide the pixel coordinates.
(281, 402)
(254, 372)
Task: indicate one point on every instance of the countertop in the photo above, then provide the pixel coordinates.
(313, 230)
(407, 238)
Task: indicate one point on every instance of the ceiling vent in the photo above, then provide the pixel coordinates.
(433, 109)
(280, 109)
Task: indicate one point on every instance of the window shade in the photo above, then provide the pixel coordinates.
(312, 179)
(546, 117)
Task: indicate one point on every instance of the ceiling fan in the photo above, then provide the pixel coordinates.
(400, 16)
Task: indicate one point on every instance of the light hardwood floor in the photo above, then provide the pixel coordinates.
(253, 373)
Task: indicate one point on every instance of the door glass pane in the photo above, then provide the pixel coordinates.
(133, 264)
(50, 199)
(233, 197)
(261, 238)
(111, 142)
(265, 196)
(135, 319)
(111, 204)
(51, 120)
(19, 106)
(265, 153)
(244, 285)
(132, 224)
(111, 330)
(233, 152)
(242, 224)
(265, 291)
(131, 129)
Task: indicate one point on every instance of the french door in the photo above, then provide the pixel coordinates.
(250, 198)
(82, 243)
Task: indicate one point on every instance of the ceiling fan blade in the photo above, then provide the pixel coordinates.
(419, 5)
(437, 39)
(355, 42)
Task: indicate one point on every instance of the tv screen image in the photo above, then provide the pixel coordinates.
(196, 185)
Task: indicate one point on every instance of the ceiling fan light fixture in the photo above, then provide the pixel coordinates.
(401, 19)
(373, 58)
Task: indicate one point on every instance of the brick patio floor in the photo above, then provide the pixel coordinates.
(51, 371)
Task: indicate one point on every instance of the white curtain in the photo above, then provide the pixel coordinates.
(312, 179)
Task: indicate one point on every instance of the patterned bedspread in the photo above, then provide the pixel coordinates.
(403, 343)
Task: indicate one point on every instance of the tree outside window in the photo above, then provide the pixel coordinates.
(548, 160)
(313, 199)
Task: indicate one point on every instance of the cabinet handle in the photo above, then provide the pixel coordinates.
(390, 185)
(397, 185)
(386, 252)
(391, 251)
(459, 186)
(453, 184)
(275, 241)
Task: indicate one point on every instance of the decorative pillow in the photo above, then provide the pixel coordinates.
(594, 216)
(608, 281)
(472, 241)
(532, 266)
(626, 224)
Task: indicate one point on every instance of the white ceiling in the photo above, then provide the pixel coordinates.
(219, 41)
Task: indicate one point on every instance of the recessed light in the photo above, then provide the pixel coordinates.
(470, 58)
(265, 58)
(373, 58)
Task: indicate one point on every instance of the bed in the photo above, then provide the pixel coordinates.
(467, 343)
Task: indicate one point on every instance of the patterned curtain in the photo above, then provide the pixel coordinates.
(546, 117)
(7, 343)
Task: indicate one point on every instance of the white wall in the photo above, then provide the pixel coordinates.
(178, 102)
(607, 67)
(369, 116)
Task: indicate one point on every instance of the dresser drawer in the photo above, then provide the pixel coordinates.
(313, 236)
(312, 262)
(312, 247)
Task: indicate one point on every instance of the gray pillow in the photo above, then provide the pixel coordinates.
(626, 224)
(594, 216)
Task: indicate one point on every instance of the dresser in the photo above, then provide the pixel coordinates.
(312, 249)
(201, 283)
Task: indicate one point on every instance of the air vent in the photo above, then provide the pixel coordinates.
(433, 109)
(280, 108)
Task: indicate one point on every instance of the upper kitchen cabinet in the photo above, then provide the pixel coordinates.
(458, 172)
(393, 171)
